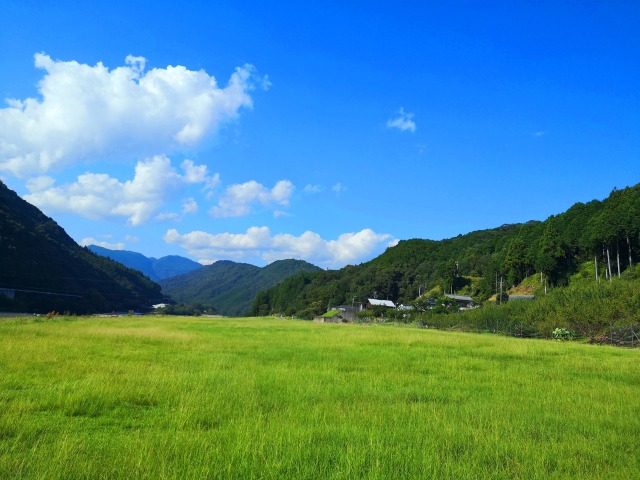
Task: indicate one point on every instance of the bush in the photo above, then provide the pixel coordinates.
(563, 334)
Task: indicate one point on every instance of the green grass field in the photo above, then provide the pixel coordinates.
(144, 397)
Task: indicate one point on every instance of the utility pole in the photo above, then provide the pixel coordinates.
(629, 244)
(609, 262)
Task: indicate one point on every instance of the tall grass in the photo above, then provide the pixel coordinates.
(266, 398)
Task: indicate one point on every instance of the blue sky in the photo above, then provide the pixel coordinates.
(255, 131)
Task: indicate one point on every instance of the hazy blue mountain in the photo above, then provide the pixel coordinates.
(229, 286)
(42, 269)
(154, 268)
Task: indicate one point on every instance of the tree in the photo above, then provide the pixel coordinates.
(515, 262)
(551, 253)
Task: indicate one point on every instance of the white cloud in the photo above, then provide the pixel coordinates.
(313, 188)
(539, 133)
(338, 188)
(189, 205)
(259, 244)
(402, 121)
(239, 199)
(85, 242)
(280, 213)
(100, 196)
(90, 112)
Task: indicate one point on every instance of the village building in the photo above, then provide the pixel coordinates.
(465, 301)
(374, 302)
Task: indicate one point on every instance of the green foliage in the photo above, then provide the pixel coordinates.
(592, 311)
(191, 310)
(232, 287)
(560, 333)
(50, 272)
(471, 263)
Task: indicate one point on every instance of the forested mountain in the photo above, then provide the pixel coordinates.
(602, 231)
(229, 286)
(43, 269)
(154, 268)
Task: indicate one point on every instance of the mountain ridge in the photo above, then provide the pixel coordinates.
(228, 286)
(154, 268)
(473, 263)
(44, 269)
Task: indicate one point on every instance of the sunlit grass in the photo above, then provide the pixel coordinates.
(265, 398)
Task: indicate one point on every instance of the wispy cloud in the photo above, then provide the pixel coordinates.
(85, 242)
(402, 121)
(313, 188)
(338, 188)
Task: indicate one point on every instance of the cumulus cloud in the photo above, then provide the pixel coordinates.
(402, 121)
(90, 112)
(239, 199)
(257, 243)
(99, 196)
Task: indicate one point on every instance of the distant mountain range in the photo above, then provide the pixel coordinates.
(230, 287)
(42, 269)
(154, 268)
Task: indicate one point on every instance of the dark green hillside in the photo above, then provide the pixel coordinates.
(228, 286)
(45, 270)
(154, 268)
(471, 263)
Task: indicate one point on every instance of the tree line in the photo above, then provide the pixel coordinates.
(605, 233)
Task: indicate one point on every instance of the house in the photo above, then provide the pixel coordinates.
(464, 301)
(374, 302)
(348, 312)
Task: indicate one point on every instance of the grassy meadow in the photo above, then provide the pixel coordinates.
(192, 398)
